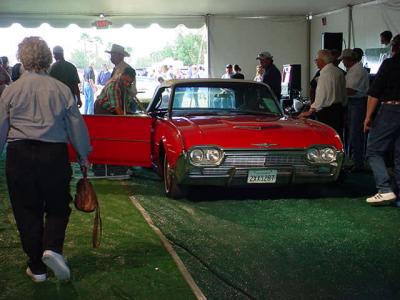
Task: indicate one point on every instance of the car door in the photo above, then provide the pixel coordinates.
(119, 140)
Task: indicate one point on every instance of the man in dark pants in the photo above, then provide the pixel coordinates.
(357, 83)
(330, 95)
(272, 75)
(66, 73)
(38, 116)
(385, 129)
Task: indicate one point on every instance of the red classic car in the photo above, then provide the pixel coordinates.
(218, 132)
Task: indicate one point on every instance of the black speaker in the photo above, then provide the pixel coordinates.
(295, 78)
(332, 40)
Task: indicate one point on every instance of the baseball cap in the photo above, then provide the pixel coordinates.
(264, 55)
(58, 49)
(347, 53)
(228, 66)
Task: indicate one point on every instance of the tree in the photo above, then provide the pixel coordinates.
(187, 48)
(87, 52)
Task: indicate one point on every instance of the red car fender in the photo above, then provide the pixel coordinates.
(168, 137)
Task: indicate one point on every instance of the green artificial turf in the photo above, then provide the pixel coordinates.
(131, 262)
(305, 242)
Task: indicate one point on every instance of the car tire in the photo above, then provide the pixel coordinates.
(171, 187)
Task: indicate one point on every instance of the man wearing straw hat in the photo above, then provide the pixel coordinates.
(117, 57)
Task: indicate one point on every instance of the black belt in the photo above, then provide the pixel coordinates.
(392, 102)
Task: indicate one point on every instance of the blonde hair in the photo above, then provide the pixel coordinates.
(34, 54)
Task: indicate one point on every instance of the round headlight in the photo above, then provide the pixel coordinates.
(328, 155)
(196, 156)
(313, 155)
(213, 155)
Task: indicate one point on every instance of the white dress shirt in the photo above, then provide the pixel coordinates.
(357, 79)
(331, 88)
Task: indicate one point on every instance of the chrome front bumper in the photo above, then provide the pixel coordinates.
(291, 166)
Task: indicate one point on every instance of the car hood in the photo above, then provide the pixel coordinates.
(250, 132)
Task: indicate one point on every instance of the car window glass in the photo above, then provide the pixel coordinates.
(163, 99)
(240, 98)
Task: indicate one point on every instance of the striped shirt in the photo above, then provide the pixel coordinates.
(113, 95)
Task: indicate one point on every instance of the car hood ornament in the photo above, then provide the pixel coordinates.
(265, 145)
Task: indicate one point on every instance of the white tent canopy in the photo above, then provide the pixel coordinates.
(237, 29)
(144, 12)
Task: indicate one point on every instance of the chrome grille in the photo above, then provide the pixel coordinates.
(264, 160)
(244, 160)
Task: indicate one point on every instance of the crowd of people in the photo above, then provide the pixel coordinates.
(39, 115)
(347, 102)
(344, 100)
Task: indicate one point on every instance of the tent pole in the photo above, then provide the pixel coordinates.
(350, 22)
(207, 21)
(307, 92)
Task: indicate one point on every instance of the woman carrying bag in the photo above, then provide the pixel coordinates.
(38, 117)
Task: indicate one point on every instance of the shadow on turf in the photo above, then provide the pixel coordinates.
(353, 185)
(55, 290)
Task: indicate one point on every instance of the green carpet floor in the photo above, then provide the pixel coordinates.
(130, 264)
(305, 242)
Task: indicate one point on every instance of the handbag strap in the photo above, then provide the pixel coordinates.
(97, 228)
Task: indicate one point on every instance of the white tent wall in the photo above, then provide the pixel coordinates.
(239, 40)
(336, 21)
(369, 20)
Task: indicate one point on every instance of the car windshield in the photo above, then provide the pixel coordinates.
(222, 98)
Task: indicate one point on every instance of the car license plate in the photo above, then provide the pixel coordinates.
(262, 176)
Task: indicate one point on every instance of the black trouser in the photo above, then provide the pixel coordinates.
(38, 177)
(333, 116)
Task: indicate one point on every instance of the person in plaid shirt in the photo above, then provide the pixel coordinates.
(114, 97)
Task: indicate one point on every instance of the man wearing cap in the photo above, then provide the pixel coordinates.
(384, 130)
(117, 56)
(66, 72)
(271, 76)
(330, 95)
(228, 72)
(357, 84)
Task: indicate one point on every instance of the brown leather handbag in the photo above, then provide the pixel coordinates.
(86, 201)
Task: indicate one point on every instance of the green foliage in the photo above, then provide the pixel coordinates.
(79, 58)
(87, 52)
(189, 48)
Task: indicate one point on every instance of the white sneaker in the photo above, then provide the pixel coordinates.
(56, 263)
(36, 277)
(381, 198)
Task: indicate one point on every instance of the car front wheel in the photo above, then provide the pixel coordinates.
(171, 187)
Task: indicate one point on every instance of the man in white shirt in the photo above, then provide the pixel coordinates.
(357, 84)
(330, 95)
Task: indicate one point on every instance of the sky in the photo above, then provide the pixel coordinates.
(127, 36)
